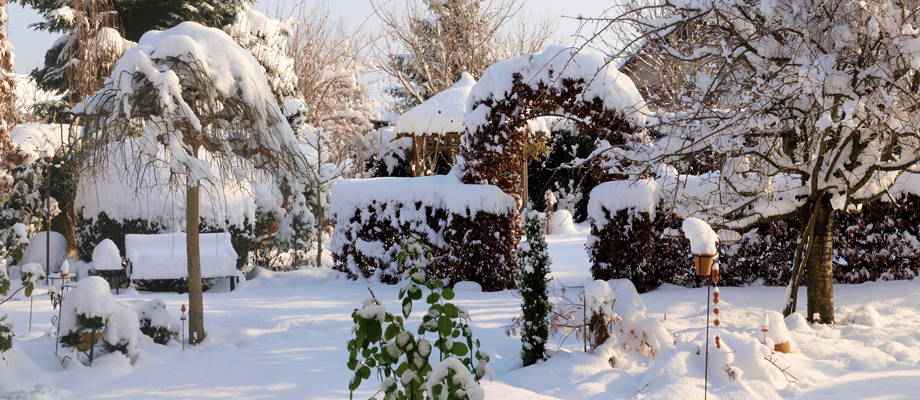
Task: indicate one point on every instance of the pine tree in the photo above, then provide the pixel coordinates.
(533, 281)
(132, 18)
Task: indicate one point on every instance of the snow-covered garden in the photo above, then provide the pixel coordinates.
(696, 200)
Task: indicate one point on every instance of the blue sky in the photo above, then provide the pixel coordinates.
(30, 46)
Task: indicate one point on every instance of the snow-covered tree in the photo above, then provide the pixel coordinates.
(535, 264)
(7, 89)
(192, 98)
(268, 39)
(809, 106)
(82, 58)
(86, 21)
(431, 45)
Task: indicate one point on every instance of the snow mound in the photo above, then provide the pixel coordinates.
(797, 323)
(702, 238)
(628, 305)
(467, 286)
(106, 256)
(865, 315)
(35, 252)
(777, 331)
(561, 222)
(640, 196)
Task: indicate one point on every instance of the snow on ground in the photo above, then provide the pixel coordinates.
(284, 335)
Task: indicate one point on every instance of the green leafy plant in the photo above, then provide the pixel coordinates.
(383, 344)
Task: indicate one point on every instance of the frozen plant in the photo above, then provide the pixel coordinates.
(401, 359)
(155, 321)
(91, 316)
(533, 279)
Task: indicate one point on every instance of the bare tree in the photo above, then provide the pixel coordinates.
(427, 48)
(329, 62)
(810, 107)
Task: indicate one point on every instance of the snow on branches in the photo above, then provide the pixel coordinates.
(800, 99)
(193, 87)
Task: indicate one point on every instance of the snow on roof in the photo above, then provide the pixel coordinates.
(442, 113)
(638, 195)
(439, 191)
(163, 256)
(603, 81)
(39, 140)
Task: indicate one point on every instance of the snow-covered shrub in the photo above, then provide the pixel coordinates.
(466, 227)
(624, 236)
(562, 223)
(391, 156)
(13, 241)
(155, 321)
(384, 344)
(535, 304)
(90, 316)
(106, 256)
(599, 301)
(41, 246)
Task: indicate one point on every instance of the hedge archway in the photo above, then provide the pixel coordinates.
(578, 85)
(566, 82)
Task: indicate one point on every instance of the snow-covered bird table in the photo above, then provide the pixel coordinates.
(108, 265)
(159, 261)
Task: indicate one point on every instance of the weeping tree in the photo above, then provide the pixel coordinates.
(191, 98)
(808, 106)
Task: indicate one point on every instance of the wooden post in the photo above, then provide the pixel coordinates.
(193, 255)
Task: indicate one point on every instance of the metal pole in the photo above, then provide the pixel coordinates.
(47, 237)
(57, 339)
(706, 364)
(584, 318)
(30, 313)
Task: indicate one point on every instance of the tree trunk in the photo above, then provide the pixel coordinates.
(819, 263)
(319, 201)
(195, 301)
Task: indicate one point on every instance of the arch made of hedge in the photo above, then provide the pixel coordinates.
(578, 85)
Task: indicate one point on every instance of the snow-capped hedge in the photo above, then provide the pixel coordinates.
(878, 242)
(461, 223)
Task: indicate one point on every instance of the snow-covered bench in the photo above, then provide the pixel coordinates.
(162, 258)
